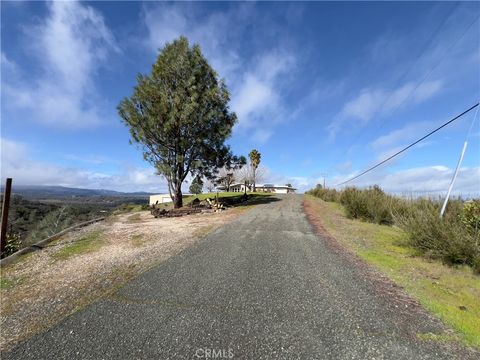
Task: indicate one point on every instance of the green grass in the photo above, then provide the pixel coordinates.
(88, 243)
(436, 337)
(134, 218)
(450, 293)
(138, 240)
(204, 196)
(128, 208)
(7, 283)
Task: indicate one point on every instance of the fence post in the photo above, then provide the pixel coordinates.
(5, 207)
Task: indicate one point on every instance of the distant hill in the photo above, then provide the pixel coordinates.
(56, 192)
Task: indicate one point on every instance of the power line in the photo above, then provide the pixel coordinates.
(404, 76)
(409, 146)
(419, 83)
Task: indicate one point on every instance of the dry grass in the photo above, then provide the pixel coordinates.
(450, 293)
(43, 287)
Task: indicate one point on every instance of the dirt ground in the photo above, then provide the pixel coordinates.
(43, 287)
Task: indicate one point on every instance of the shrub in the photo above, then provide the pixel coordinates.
(447, 239)
(330, 195)
(455, 239)
(371, 204)
(470, 217)
(13, 243)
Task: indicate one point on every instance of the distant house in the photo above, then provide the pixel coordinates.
(277, 189)
(163, 198)
(160, 199)
(267, 188)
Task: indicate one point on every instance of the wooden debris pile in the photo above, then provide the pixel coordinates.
(196, 206)
(159, 213)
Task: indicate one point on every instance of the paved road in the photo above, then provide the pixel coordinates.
(262, 287)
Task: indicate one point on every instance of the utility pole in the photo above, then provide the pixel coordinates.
(324, 179)
(5, 207)
(444, 206)
(465, 144)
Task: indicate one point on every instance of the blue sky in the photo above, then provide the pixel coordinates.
(318, 88)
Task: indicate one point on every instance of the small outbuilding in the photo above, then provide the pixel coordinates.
(160, 199)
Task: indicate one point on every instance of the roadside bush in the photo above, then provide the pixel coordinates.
(447, 239)
(471, 217)
(371, 204)
(330, 195)
(455, 239)
(13, 243)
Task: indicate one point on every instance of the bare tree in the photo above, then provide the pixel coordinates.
(209, 185)
(260, 174)
(226, 177)
(245, 175)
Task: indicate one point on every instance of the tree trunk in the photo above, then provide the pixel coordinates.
(177, 198)
(254, 178)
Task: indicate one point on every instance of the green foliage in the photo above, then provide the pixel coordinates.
(369, 205)
(179, 115)
(13, 243)
(470, 217)
(325, 194)
(196, 185)
(453, 239)
(126, 208)
(24, 215)
(255, 158)
(447, 238)
(32, 221)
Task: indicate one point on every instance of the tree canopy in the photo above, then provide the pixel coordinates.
(196, 186)
(179, 115)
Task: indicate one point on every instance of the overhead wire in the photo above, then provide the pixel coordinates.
(401, 79)
(409, 146)
(430, 71)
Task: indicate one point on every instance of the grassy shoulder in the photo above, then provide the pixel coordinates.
(224, 194)
(450, 293)
(86, 244)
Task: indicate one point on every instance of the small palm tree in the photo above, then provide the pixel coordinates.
(254, 162)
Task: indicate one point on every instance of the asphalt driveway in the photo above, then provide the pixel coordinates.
(264, 286)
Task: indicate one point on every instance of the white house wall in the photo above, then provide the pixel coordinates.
(161, 198)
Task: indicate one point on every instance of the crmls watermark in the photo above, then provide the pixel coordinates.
(207, 353)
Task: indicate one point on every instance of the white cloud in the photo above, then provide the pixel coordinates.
(69, 47)
(257, 97)
(166, 22)
(403, 135)
(378, 102)
(421, 179)
(17, 163)
(253, 95)
(7, 65)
